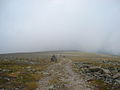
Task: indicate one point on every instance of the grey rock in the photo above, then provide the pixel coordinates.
(117, 81)
(106, 71)
(96, 69)
(51, 87)
(116, 76)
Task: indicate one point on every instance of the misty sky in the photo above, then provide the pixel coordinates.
(43, 25)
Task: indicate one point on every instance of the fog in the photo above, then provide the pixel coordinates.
(45, 25)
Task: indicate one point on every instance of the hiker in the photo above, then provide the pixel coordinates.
(53, 58)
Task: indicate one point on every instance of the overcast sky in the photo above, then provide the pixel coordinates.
(41, 25)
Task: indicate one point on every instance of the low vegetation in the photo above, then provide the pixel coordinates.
(21, 72)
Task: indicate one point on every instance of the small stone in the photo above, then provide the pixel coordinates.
(51, 87)
(106, 71)
(118, 81)
(116, 76)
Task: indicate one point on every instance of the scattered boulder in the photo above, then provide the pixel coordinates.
(106, 71)
(96, 69)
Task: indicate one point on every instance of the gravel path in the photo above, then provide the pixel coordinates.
(64, 70)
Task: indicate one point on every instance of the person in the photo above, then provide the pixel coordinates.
(53, 58)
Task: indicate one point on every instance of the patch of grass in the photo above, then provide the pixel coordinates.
(54, 80)
(101, 85)
(31, 85)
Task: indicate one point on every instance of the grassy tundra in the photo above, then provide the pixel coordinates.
(23, 71)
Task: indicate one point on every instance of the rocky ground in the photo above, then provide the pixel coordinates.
(103, 74)
(72, 71)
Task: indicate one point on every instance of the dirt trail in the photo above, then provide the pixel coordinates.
(62, 69)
